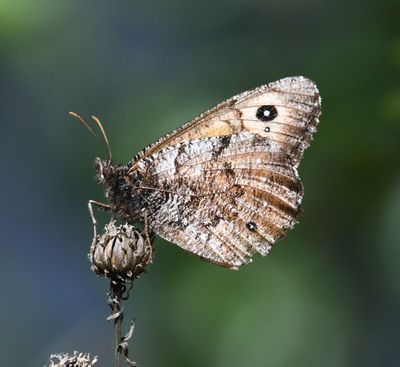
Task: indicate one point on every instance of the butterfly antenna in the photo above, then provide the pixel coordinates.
(100, 125)
(84, 123)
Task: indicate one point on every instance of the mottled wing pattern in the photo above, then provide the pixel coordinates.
(225, 186)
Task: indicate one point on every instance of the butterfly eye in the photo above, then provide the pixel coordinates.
(266, 113)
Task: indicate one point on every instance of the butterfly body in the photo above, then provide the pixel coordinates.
(225, 185)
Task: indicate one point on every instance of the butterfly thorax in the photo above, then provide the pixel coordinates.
(121, 189)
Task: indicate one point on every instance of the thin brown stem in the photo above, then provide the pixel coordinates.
(116, 290)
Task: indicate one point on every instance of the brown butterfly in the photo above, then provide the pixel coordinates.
(225, 185)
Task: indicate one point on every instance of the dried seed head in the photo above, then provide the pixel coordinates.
(75, 360)
(120, 253)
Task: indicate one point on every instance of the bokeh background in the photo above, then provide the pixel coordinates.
(328, 295)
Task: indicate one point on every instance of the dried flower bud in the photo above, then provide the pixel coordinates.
(76, 360)
(120, 253)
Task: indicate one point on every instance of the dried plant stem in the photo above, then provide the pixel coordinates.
(117, 338)
(115, 297)
(119, 292)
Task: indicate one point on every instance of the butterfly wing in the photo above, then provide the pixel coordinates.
(225, 185)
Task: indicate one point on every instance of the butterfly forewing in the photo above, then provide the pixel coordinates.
(225, 185)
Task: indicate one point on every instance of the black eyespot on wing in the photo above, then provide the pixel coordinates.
(251, 226)
(266, 113)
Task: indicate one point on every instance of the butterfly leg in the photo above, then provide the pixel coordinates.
(94, 221)
(147, 237)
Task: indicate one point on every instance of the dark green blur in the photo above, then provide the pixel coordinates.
(327, 295)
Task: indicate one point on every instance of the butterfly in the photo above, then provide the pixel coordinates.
(225, 185)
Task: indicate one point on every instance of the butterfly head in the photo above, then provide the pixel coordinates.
(113, 177)
(105, 170)
(109, 173)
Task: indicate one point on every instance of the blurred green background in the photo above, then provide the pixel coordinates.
(328, 295)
